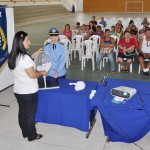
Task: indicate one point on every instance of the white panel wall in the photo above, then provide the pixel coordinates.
(29, 3)
(6, 77)
(78, 5)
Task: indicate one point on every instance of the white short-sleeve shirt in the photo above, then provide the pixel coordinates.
(23, 84)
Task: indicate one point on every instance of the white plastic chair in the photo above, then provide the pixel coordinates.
(121, 18)
(88, 53)
(77, 45)
(96, 43)
(116, 38)
(47, 41)
(146, 60)
(119, 66)
(67, 45)
(74, 32)
(62, 37)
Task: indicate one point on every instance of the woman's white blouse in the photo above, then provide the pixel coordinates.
(23, 84)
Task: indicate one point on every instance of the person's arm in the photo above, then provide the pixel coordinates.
(102, 44)
(108, 45)
(132, 45)
(34, 74)
(130, 48)
(140, 46)
(37, 52)
(112, 43)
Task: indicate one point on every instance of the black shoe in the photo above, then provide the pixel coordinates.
(39, 136)
(146, 73)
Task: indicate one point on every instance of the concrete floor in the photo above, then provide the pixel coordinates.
(59, 137)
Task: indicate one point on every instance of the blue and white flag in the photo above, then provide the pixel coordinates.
(3, 37)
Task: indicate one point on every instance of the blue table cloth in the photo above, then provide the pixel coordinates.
(65, 106)
(129, 121)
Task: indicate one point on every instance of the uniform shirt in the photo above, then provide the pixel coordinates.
(58, 57)
(23, 84)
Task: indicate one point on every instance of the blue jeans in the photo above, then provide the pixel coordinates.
(110, 58)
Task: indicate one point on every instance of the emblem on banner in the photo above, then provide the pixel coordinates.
(2, 39)
(3, 45)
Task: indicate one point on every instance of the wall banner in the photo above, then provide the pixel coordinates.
(3, 37)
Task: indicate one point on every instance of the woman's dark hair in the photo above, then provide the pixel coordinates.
(107, 30)
(78, 23)
(94, 28)
(99, 27)
(92, 23)
(133, 32)
(126, 32)
(17, 49)
(67, 25)
(131, 21)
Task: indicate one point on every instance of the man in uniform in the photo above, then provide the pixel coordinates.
(57, 52)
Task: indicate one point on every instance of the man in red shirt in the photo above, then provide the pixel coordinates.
(126, 45)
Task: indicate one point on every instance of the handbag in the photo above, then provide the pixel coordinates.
(130, 52)
(106, 50)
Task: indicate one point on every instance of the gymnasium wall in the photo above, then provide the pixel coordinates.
(116, 5)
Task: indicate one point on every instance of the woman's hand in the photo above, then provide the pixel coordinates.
(124, 49)
(44, 73)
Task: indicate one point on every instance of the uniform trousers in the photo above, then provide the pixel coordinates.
(55, 80)
(26, 116)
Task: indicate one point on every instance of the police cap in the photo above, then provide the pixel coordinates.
(53, 32)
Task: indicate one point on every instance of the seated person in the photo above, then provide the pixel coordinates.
(131, 23)
(93, 18)
(119, 32)
(120, 24)
(145, 21)
(67, 32)
(107, 45)
(113, 32)
(77, 27)
(142, 31)
(92, 28)
(99, 31)
(84, 32)
(125, 44)
(103, 22)
(144, 52)
(95, 23)
(135, 29)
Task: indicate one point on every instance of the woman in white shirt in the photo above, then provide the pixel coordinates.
(25, 84)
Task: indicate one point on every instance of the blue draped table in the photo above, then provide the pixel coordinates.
(129, 121)
(65, 106)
